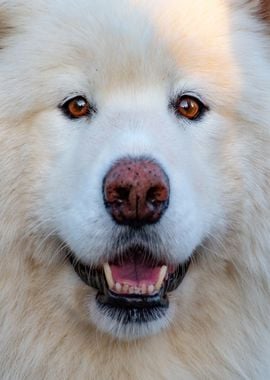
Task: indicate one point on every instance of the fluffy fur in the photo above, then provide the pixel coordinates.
(130, 58)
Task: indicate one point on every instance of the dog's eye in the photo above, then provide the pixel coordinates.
(189, 107)
(77, 107)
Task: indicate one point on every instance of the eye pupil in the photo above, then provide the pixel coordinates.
(188, 107)
(80, 104)
(76, 108)
(186, 104)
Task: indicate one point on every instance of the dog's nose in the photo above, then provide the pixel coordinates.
(136, 192)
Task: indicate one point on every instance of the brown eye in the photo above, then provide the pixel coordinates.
(77, 107)
(189, 107)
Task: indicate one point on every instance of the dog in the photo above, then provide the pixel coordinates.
(134, 191)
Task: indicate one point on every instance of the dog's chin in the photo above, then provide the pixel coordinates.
(132, 292)
(113, 323)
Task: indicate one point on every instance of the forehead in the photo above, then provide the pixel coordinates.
(200, 36)
(132, 41)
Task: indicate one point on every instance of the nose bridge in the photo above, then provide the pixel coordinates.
(135, 140)
(136, 191)
(134, 130)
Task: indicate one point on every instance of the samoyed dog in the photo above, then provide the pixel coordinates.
(134, 189)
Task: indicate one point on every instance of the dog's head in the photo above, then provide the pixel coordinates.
(132, 135)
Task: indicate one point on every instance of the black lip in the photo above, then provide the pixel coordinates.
(132, 301)
(95, 278)
(132, 309)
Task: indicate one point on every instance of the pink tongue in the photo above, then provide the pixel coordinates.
(135, 274)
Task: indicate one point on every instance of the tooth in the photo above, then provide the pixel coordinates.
(108, 275)
(137, 290)
(144, 289)
(131, 290)
(118, 287)
(125, 288)
(151, 289)
(162, 274)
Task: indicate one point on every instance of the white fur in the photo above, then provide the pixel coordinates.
(130, 58)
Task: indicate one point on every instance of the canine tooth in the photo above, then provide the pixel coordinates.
(118, 287)
(162, 274)
(151, 289)
(108, 275)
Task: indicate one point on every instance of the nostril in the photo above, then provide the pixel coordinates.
(122, 194)
(151, 195)
(136, 192)
(116, 194)
(157, 194)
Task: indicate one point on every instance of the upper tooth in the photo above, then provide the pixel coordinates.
(108, 275)
(162, 274)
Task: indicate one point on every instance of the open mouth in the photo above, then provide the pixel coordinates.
(133, 287)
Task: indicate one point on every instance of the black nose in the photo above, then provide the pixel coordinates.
(136, 192)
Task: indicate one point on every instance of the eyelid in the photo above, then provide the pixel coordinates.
(70, 97)
(192, 94)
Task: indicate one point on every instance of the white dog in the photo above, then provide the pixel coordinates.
(134, 189)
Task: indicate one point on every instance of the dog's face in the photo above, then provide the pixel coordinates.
(134, 120)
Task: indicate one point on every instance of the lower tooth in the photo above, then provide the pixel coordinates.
(125, 288)
(118, 287)
(144, 289)
(151, 289)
